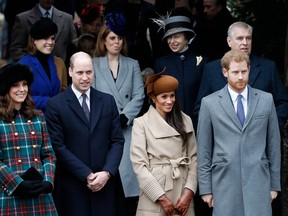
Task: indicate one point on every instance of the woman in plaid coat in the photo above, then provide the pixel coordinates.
(24, 143)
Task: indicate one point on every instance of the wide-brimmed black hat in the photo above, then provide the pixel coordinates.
(12, 73)
(177, 24)
(43, 28)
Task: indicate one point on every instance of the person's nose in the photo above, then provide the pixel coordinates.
(21, 88)
(84, 77)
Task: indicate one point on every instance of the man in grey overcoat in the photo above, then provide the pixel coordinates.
(238, 164)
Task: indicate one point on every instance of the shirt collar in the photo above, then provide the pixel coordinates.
(234, 94)
(43, 11)
(79, 94)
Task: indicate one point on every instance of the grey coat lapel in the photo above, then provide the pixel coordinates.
(122, 73)
(251, 106)
(106, 74)
(227, 106)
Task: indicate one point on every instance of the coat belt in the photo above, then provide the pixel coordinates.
(174, 169)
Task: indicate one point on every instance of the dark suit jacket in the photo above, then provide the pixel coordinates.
(263, 75)
(81, 148)
(21, 29)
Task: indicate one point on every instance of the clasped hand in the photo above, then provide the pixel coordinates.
(181, 206)
(96, 181)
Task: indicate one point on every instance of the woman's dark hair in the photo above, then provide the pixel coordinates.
(175, 119)
(7, 107)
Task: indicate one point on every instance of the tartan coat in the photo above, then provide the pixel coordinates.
(25, 143)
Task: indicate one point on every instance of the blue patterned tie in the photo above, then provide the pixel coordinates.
(240, 109)
(85, 107)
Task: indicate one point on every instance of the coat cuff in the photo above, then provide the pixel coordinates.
(153, 190)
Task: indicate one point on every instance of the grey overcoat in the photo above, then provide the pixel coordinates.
(128, 91)
(239, 166)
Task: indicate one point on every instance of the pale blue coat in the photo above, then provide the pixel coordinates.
(128, 91)
(239, 166)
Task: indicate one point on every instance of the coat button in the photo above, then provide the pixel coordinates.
(35, 159)
(13, 122)
(16, 134)
(32, 132)
(18, 147)
(19, 161)
(126, 96)
(34, 146)
(29, 121)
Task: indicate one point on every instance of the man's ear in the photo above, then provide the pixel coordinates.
(70, 71)
(225, 72)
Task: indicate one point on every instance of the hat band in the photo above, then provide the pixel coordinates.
(178, 25)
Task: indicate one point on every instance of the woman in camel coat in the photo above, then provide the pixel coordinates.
(163, 153)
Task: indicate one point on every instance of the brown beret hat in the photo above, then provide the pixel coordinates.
(159, 83)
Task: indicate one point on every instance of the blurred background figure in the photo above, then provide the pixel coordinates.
(212, 28)
(120, 76)
(50, 73)
(23, 22)
(91, 20)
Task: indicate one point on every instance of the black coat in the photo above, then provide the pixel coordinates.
(185, 69)
(82, 148)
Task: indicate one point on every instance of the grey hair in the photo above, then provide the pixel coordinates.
(242, 25)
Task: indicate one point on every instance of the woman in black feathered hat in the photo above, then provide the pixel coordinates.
(182, 62)
(50, 74)
(27, 160)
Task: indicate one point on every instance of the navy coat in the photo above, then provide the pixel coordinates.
(187, 68)
(81, 148)
(263, 75)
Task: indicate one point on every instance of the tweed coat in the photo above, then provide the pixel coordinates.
(25, 143)
(21, 30)
(162, 163)
(263, 75)
(187, 68)
(239, 165)
(42, 87)
(128, 91)
(81, 148)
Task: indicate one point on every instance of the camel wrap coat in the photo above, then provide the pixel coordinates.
(162, 162)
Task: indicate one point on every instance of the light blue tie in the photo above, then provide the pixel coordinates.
(240, 109)
(85, 106)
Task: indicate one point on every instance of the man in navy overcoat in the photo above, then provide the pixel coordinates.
(88, 149)
(263, 72)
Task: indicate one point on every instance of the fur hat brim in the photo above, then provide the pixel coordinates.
(12, 73)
